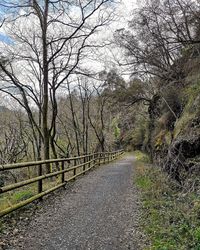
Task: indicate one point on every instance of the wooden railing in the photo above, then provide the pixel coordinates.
(82, 163)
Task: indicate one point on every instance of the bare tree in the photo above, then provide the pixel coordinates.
(158, 34)
(96, 117)
(49, 40)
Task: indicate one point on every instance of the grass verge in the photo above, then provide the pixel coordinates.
(170, 217)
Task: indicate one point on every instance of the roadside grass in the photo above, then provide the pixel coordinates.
(141, 157)
(170, 216)
(15, 196)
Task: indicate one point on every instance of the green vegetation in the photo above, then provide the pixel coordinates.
(13, 197)
(1, 226)
(142, 157)
(170, 215)
(57, 112)
(115, 127)
(23, 195)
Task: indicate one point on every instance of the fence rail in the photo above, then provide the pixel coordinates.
(89, 162)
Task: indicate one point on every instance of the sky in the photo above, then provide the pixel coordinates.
(4, 38)
(124, 15)
(130, 4)
(112, 55)
(124, 10)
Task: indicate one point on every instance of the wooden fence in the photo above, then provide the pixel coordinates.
(82, 163)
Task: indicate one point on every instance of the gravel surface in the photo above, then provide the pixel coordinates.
(99, 211)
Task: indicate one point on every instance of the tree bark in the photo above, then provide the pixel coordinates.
(45, 87)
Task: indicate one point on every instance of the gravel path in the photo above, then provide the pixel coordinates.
(99, 211)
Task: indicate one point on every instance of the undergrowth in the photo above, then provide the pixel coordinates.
(171, 217)
(15, 196)
(141, 157)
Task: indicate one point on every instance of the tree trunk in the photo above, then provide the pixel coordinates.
(45, 88)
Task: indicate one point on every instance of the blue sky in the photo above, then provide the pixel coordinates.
(3, 37)
(126, 6)
(6, 39)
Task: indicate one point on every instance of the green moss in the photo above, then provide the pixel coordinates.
(192, 91)
(183, 123)
(191, 109)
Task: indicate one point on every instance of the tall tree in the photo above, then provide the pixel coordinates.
(158, 34)
(49, 39)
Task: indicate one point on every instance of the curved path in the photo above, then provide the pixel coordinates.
(99, 212)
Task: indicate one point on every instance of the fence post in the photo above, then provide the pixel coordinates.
(74, 166)
(99, 155)
(94, 159)
(89, 158)
(63, 174)
(40, 181)
(84, 162)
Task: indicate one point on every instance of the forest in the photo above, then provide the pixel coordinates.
(73, 81)
(55, 104)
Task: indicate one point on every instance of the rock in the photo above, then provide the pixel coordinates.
(178, 153)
